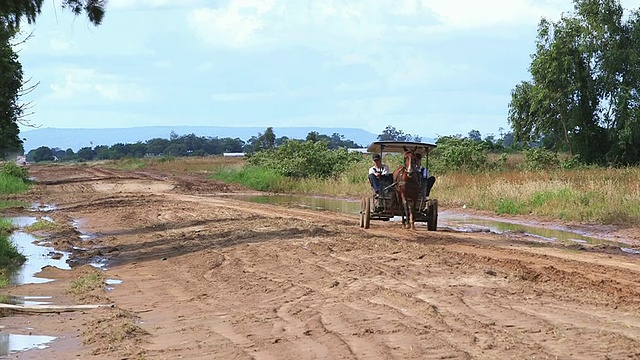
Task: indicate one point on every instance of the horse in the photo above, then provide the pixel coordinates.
(407, 184)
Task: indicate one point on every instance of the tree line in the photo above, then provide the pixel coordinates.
(184, 145)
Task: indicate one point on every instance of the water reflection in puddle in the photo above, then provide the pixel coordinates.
(38, 257)
(37, 253)
(445, 220)
(25, 300)
(12, 343)
(42, 207)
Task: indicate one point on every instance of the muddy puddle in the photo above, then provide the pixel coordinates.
(446, 220)
(36, 251)
(13, 343)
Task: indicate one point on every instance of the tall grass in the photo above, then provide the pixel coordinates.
(12, 185)
(9, 255)
(601, 195)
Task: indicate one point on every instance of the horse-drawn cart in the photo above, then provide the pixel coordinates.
(389, 202)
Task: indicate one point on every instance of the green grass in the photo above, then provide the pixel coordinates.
(87, 283)
(254, 177)
(12, 185)
(41, 225)
(9, 255)
(7, 204)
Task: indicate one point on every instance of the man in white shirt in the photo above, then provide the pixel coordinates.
(377, 173)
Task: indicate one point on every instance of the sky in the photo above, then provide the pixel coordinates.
(426, 67)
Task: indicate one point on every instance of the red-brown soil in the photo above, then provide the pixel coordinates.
(208, 277)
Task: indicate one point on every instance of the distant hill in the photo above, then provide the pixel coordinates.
(79, 138)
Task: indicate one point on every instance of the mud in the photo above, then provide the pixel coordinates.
(211, 277)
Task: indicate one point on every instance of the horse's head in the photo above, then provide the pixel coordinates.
(410, 162)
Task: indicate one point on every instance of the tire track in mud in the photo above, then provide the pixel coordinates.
(245, 280)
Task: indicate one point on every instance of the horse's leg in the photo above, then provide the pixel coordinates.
(406, 213)
(413, 222)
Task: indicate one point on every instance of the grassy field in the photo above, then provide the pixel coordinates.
(599, 195)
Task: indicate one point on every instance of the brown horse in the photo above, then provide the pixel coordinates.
(407, 186)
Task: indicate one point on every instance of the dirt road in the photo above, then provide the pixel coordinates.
(206, 277)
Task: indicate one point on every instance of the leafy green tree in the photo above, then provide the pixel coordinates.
(12, 13)
(86, 153)
(474, 135)
(390, 133)
(10, 109)
(69, 154)
(584, 95)
(43, 153)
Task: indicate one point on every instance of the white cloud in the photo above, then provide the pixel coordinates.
(138, 4)
(81, 82)
(335, 24)
(241, 96)
(59, 43)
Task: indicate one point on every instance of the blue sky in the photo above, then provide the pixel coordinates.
(427, 67)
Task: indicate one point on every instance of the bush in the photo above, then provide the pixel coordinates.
(456, 153)
(16, 171)
(306, 159)
(540, 159)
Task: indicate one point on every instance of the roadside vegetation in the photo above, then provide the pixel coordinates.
(13, 179)
(495, 175)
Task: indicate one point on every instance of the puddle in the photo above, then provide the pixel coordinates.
(112, 282)
(454, 222)
(23, 221)
(37, 253)
(25, 300)
(84, 235)
(42, 207)
(12, 343)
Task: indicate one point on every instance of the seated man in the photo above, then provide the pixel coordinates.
(378, 174)
(426, 181)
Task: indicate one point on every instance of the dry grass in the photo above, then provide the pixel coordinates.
(176, 166)
(603, 195)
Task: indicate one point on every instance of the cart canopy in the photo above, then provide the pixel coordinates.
(389, 146)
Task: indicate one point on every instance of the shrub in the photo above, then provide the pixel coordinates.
(16, 171)
(304, 159)
(456, 153)
(540, 159)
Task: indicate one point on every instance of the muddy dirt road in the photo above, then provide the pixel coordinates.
(206, 277)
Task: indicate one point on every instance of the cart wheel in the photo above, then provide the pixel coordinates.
(432, 215)
(367, 212)
(362, 211)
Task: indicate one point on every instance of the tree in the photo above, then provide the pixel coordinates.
(86, 153)
(42, 153)
(10, 109)
(584, 95)
(390, 133)
(12, 13)
(474, 135)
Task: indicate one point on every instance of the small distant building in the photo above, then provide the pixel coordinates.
(21, 160)
(360, 150)
(232, 154)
